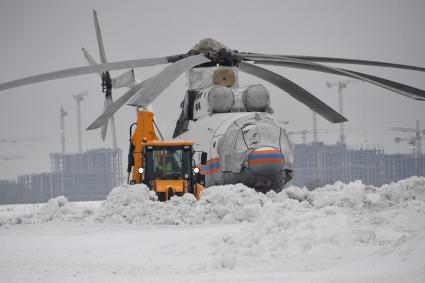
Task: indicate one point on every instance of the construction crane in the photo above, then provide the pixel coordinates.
(63, 113)
(341, 85)
(10, 157)
(303, 134)
(78, 98)
(328, 131)
(415, 141)
(314, 126)
(21, 139)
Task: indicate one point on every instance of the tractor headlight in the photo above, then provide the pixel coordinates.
(196, 170)
(140, 170)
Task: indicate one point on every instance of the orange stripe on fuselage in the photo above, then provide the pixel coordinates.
(211, 171)
(214, 160)
(266, 160)
(209, 162)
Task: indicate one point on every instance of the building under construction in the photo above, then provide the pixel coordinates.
(317, 164)
(81, 176)
(86, 176)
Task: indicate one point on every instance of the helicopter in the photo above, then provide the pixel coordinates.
(233, 124)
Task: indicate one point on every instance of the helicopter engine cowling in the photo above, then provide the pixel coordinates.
(256, 98)
(220, 99)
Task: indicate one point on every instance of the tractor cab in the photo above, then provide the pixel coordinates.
(169, 169)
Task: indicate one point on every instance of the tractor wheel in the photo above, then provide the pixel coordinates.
(170, 193)
(161, 196)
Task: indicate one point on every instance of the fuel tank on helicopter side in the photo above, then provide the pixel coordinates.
(235, 126)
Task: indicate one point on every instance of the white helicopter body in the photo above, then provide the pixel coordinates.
(236, 129)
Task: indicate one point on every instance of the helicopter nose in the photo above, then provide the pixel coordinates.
(266, 161)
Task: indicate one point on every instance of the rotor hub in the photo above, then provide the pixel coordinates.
(216, 51)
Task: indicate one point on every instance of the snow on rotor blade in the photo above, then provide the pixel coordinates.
(408, 91)
(99, 38)
(161, 81)
(295, 91)
(126, 79)
(149, 89)
(99, 68)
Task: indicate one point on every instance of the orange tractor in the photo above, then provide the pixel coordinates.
(165, 166)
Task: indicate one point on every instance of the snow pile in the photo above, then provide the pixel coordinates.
(137, 204)
(59, 209)
(232, 204)
(336, 222)
(56, 209)
(228, 204)
(222, 204)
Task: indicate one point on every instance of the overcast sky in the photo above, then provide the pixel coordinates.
(42, 36)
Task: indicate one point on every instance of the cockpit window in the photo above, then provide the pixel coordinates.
(167, 163)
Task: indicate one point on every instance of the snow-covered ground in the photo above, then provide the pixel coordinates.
(338, 233)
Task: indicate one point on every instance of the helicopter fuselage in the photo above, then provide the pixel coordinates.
(234, 125)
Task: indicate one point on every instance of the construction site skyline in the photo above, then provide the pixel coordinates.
(407, 136)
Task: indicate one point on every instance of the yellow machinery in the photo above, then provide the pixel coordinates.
(165, 166)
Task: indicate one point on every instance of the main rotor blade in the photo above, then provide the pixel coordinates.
(161, 81)
(357, 62)
(99, 68)
(295, 91)
(90, 59)
(411, 92)
(151, 87)
(99, 38)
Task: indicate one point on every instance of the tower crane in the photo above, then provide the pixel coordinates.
(415, 141)
(63, 113)
(341, 85)
(78, 98)
(21, 139)
(303, 134)
(10, 157)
